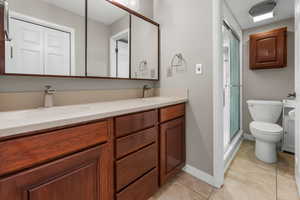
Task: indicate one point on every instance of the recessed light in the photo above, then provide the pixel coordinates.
(262, 17)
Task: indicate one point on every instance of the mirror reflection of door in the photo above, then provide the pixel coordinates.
(48, 37)
(106, 25)
(119, 58)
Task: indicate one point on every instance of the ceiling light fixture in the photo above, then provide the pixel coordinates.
(263, 17)
(263, 10)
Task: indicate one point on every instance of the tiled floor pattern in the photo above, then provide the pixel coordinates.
(246, 179)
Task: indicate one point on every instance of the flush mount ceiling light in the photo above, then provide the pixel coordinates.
(263, 17)
(263, 10)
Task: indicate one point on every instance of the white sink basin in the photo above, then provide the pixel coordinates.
(45, 112)
(154, 99)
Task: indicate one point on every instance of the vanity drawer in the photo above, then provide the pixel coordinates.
(131, 143)
(134, 166)
(142, 189)
(135, 122)
(171, 112)
(23, 153)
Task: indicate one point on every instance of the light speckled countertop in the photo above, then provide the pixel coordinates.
(18, 122)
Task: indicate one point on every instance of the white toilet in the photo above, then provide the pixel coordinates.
(264, 128)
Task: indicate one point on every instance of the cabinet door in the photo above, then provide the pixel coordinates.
(82, 176)
(268, 49)
(172, 148)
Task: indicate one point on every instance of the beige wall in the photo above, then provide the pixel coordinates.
(187, 28)
(270, 84)
(98, 49)
(119, 25)
(146, 8)
(10, 101)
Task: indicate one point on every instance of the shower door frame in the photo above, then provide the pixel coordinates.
(227, 25)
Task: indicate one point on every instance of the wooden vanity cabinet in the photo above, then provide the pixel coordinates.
(269, 49)
(136, 155)
(78, 177)
(172, 141)
(59, 164)
(123, 158)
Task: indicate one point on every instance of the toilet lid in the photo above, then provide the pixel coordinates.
(267, 127)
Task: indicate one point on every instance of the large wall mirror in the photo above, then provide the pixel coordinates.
(81, 38)
(47, 37)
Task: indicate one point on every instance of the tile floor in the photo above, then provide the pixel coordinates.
(246, 179)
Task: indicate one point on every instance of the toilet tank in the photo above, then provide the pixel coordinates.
(265, 111)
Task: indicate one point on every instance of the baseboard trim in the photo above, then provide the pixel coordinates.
(197, 173)
(298, 185)
(249, 137)
(297, 179)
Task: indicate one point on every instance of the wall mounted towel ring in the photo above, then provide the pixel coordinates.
(177, 60)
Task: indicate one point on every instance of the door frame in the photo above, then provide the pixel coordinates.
(112, 45)
(297, 89)
(218, 121)
(220, 163)
(47, 24)
(236, 141)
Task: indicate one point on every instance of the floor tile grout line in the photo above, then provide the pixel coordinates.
(210, 195)
(192, 189)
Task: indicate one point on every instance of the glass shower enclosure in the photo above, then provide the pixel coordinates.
(232, 86)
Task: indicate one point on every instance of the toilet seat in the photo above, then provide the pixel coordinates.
(266, 128)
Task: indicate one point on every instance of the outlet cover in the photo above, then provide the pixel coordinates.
(199, 69)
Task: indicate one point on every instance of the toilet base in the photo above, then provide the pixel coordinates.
(266, 151)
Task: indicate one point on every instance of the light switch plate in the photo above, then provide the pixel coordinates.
(199, 69)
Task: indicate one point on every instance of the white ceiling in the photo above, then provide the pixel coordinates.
(99, 10)
(240, 8)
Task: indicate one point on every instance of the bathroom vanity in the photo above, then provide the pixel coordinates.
(288, 142)
(119, 150)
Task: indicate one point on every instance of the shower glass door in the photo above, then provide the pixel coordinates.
(234, 86)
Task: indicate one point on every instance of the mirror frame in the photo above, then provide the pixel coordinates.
(114, 3)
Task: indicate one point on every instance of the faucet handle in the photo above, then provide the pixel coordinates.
(147, 87)
(294, 95)
(49, 89)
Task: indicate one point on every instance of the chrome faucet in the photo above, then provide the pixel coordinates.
(48, 99)
(145, 88)
(292, 95)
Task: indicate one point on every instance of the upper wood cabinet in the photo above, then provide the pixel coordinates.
(269, 49)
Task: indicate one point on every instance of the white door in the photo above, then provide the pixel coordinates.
(297, 82)
(27, 48)
(36, 49)
(122, 59)
(57, 52)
